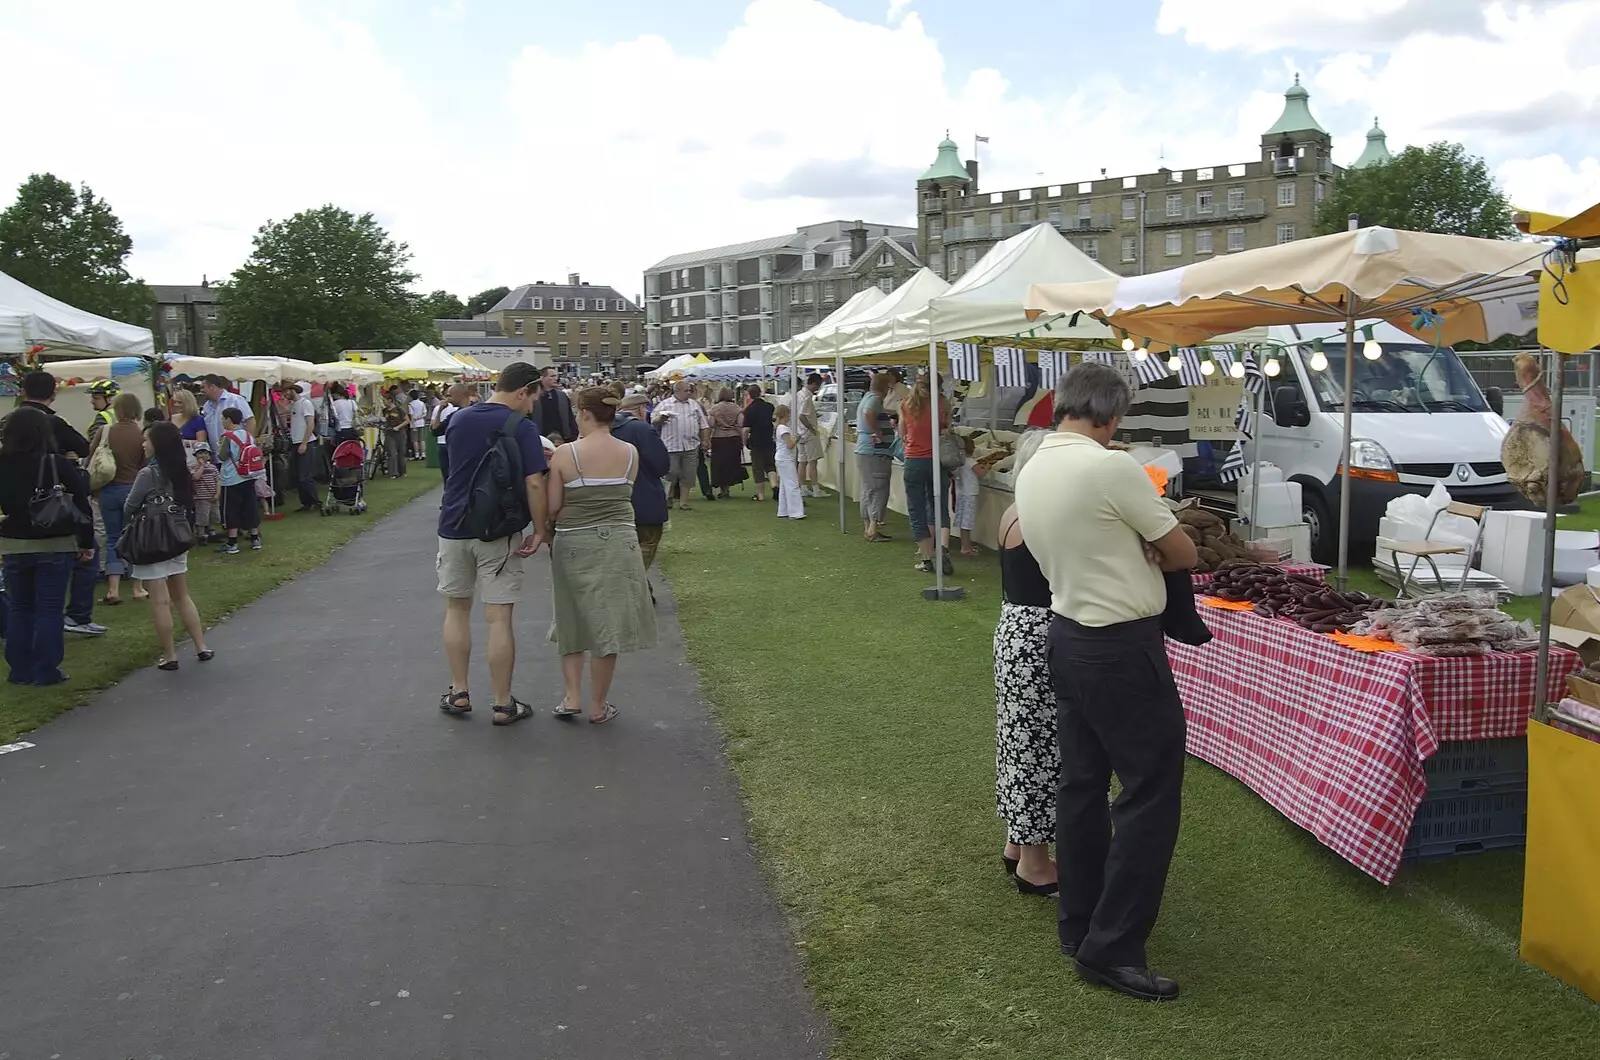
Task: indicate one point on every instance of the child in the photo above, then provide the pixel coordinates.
(207, 485)
(966, 514)
(790, 506)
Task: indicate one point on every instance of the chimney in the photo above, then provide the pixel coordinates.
(572, 279)
(858, 241)
(972, 174)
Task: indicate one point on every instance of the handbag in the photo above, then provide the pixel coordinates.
(952, 451)
(157, 532)
(102, 462)
(52, 508)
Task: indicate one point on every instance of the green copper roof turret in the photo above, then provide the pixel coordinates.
(1376, 151)
(1296, 116)
(948, 165)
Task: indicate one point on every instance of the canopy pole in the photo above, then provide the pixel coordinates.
(1255, 472)
(839, 394)
(1541, 708)
(938, 592)
(1344, 456)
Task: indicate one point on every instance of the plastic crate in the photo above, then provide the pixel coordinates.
(1451, 824)
(1468, 765)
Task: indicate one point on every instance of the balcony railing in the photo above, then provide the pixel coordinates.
(1285, 165)
(1217, 211)
(1095, 222)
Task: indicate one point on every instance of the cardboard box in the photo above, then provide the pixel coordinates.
(1513, 550)
(1575, 622)
(1583, 691)
(1585, 643)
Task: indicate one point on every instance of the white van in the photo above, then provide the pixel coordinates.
(1419, 418)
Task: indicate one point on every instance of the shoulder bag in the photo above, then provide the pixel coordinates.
(157, 532)
(102, 462)
(52, 508)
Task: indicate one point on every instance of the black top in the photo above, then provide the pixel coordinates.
(68, 440)
(554, 416)
(757, 418)
(19, 477)
(1021, 580)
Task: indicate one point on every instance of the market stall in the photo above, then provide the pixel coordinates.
(34, 324)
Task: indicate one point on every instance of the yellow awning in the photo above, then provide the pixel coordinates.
(1569, 304)
(1584, 225)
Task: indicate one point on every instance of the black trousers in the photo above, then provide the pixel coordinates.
(303, 468)
(1117, 711)
(703, 474)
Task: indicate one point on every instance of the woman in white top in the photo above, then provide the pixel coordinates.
(342, 415)
(419, 420)
(790, 505)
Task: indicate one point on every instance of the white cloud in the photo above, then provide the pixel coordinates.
(896, 9)
(1550, 183)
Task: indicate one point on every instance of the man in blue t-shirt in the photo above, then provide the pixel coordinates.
(470, 569)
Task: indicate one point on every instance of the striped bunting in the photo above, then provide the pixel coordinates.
(1232, 465)
(1159, 415)
(963, 360)
(1223, 356)
(1244, 421)
(1255, 381)
(1053, 364)
(1010, 367)
(1105, 357)
(1152, 369)
(1189, 367)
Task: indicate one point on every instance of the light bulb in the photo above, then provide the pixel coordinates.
(1236, 369)
(1371, 349)
(1319, 361)
(1127, 343)
(1271, 368)
(1207, 368)
(1174, 363)
(1140, 354)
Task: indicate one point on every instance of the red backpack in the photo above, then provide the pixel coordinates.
(251, 461)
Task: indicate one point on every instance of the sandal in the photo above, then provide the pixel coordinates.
(611, 712)
(111, 601)
(205, 656)
(875, 538)
(167, 664)
(456, 703)
(564, 711)
(516, 710)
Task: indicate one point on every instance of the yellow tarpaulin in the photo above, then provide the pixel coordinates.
(1570, 323)
(1561, 888)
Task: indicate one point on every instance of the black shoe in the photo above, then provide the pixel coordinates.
(1141, 983)
(1043, 890)
(1010, 865)
(1070, 949)
(1180, 620)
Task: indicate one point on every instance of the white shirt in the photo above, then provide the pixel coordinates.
(785, 454)
(419, 413)
(801, 407)
(441, 414)
(298, 415)
(213, 413)
(1086, 512)
(967, 484)
(344, 414)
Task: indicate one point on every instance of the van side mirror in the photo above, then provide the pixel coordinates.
(1496, 399)
(1289, 409)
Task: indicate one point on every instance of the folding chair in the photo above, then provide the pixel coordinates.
(1428, 549)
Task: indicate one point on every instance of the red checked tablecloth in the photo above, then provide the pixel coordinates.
(1335, 739)
(1313, 570)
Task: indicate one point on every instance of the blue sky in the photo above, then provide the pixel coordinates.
(509, 142)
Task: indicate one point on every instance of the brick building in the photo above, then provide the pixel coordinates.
(587, 325)
(185, 319)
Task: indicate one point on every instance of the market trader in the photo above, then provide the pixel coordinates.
(1103, 537)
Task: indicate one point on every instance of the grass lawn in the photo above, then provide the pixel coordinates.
(220, 584)
(860, 720)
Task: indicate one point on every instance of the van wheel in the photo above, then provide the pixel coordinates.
(1324, 532)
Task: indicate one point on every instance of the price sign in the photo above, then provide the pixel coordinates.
(1212, 408)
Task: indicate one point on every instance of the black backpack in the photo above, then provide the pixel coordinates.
(497, 500)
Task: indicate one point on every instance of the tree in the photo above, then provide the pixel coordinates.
(1439, 188)
(441, 305)
(323, 281)
(484, 300)
(67, 243)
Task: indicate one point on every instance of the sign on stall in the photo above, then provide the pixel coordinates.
(1212, 409)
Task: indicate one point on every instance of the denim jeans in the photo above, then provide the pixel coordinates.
(918, 475)
(36, 598)
(80, 597)
(112, 497)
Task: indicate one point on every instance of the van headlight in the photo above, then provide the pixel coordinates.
(1370, 460)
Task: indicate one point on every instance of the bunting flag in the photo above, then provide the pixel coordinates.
(1152, 369)
(1105, 357)
(1223, 356)
(1010, 367)
(1244, 421)
(1189, 372)
(1233, 464)
(1255, 382)
(963, 360)
(1053, 364)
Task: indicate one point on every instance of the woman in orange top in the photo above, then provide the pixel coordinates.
(916, 433)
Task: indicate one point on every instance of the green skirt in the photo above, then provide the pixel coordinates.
(602, 594)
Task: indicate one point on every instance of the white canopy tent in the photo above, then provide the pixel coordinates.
(29, 318)
(855, 334)
(428, 359)
(728, 371)
(677, 364)
(857, 306)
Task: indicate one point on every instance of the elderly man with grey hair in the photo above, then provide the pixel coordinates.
(1103, 537)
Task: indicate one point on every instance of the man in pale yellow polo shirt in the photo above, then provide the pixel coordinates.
(1103, 537)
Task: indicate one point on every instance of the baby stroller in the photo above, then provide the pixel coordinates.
(347, 479)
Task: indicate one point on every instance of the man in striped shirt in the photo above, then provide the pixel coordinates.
(685, 430)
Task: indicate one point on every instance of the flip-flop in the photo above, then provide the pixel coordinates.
(111, 601)
(611, 712)
(564, 712)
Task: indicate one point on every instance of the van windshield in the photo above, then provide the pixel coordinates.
(1404, 379)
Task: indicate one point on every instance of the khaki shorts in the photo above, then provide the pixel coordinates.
(490, 571)
(807, 450)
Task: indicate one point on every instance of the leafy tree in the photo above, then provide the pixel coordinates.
(66, 243)
(441, 305)
(483, 300)
(1439, 188)
(323, 281)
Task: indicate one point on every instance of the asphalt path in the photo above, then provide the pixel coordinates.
(290, 853)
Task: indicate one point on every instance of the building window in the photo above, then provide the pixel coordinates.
(672, 304)
(583, 327)
(561, 327)
(1174, 205)
(1202, 241)
(538, 327)
(885, 257)
(622, 327)
(583, 349)
(936, 262)
(1130, 248)
(969, 225)
(516, 326)
(827, 291)
(972, 257)
(1130, 208)
(808, 261)
(561, 350)
(605, 349)
(211, 310)
(558, 303)
(1286, 233)
(1204, 202)
(1285, 193)
(577, 304)
(1321, 190)
(1174, 244)
(536, 303)
(794, 294)
(935, 227)
(886, 284)
(627, 348)
(997, 223)
(1025, 215)
(1235, 239)
(172, 312)
(605, 327)
(685, 275)
(1091, 248)
(1235, 200)
(841, 259)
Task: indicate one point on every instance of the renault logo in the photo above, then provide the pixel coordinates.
(1463, 472)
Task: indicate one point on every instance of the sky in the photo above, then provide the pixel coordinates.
(511, 141)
